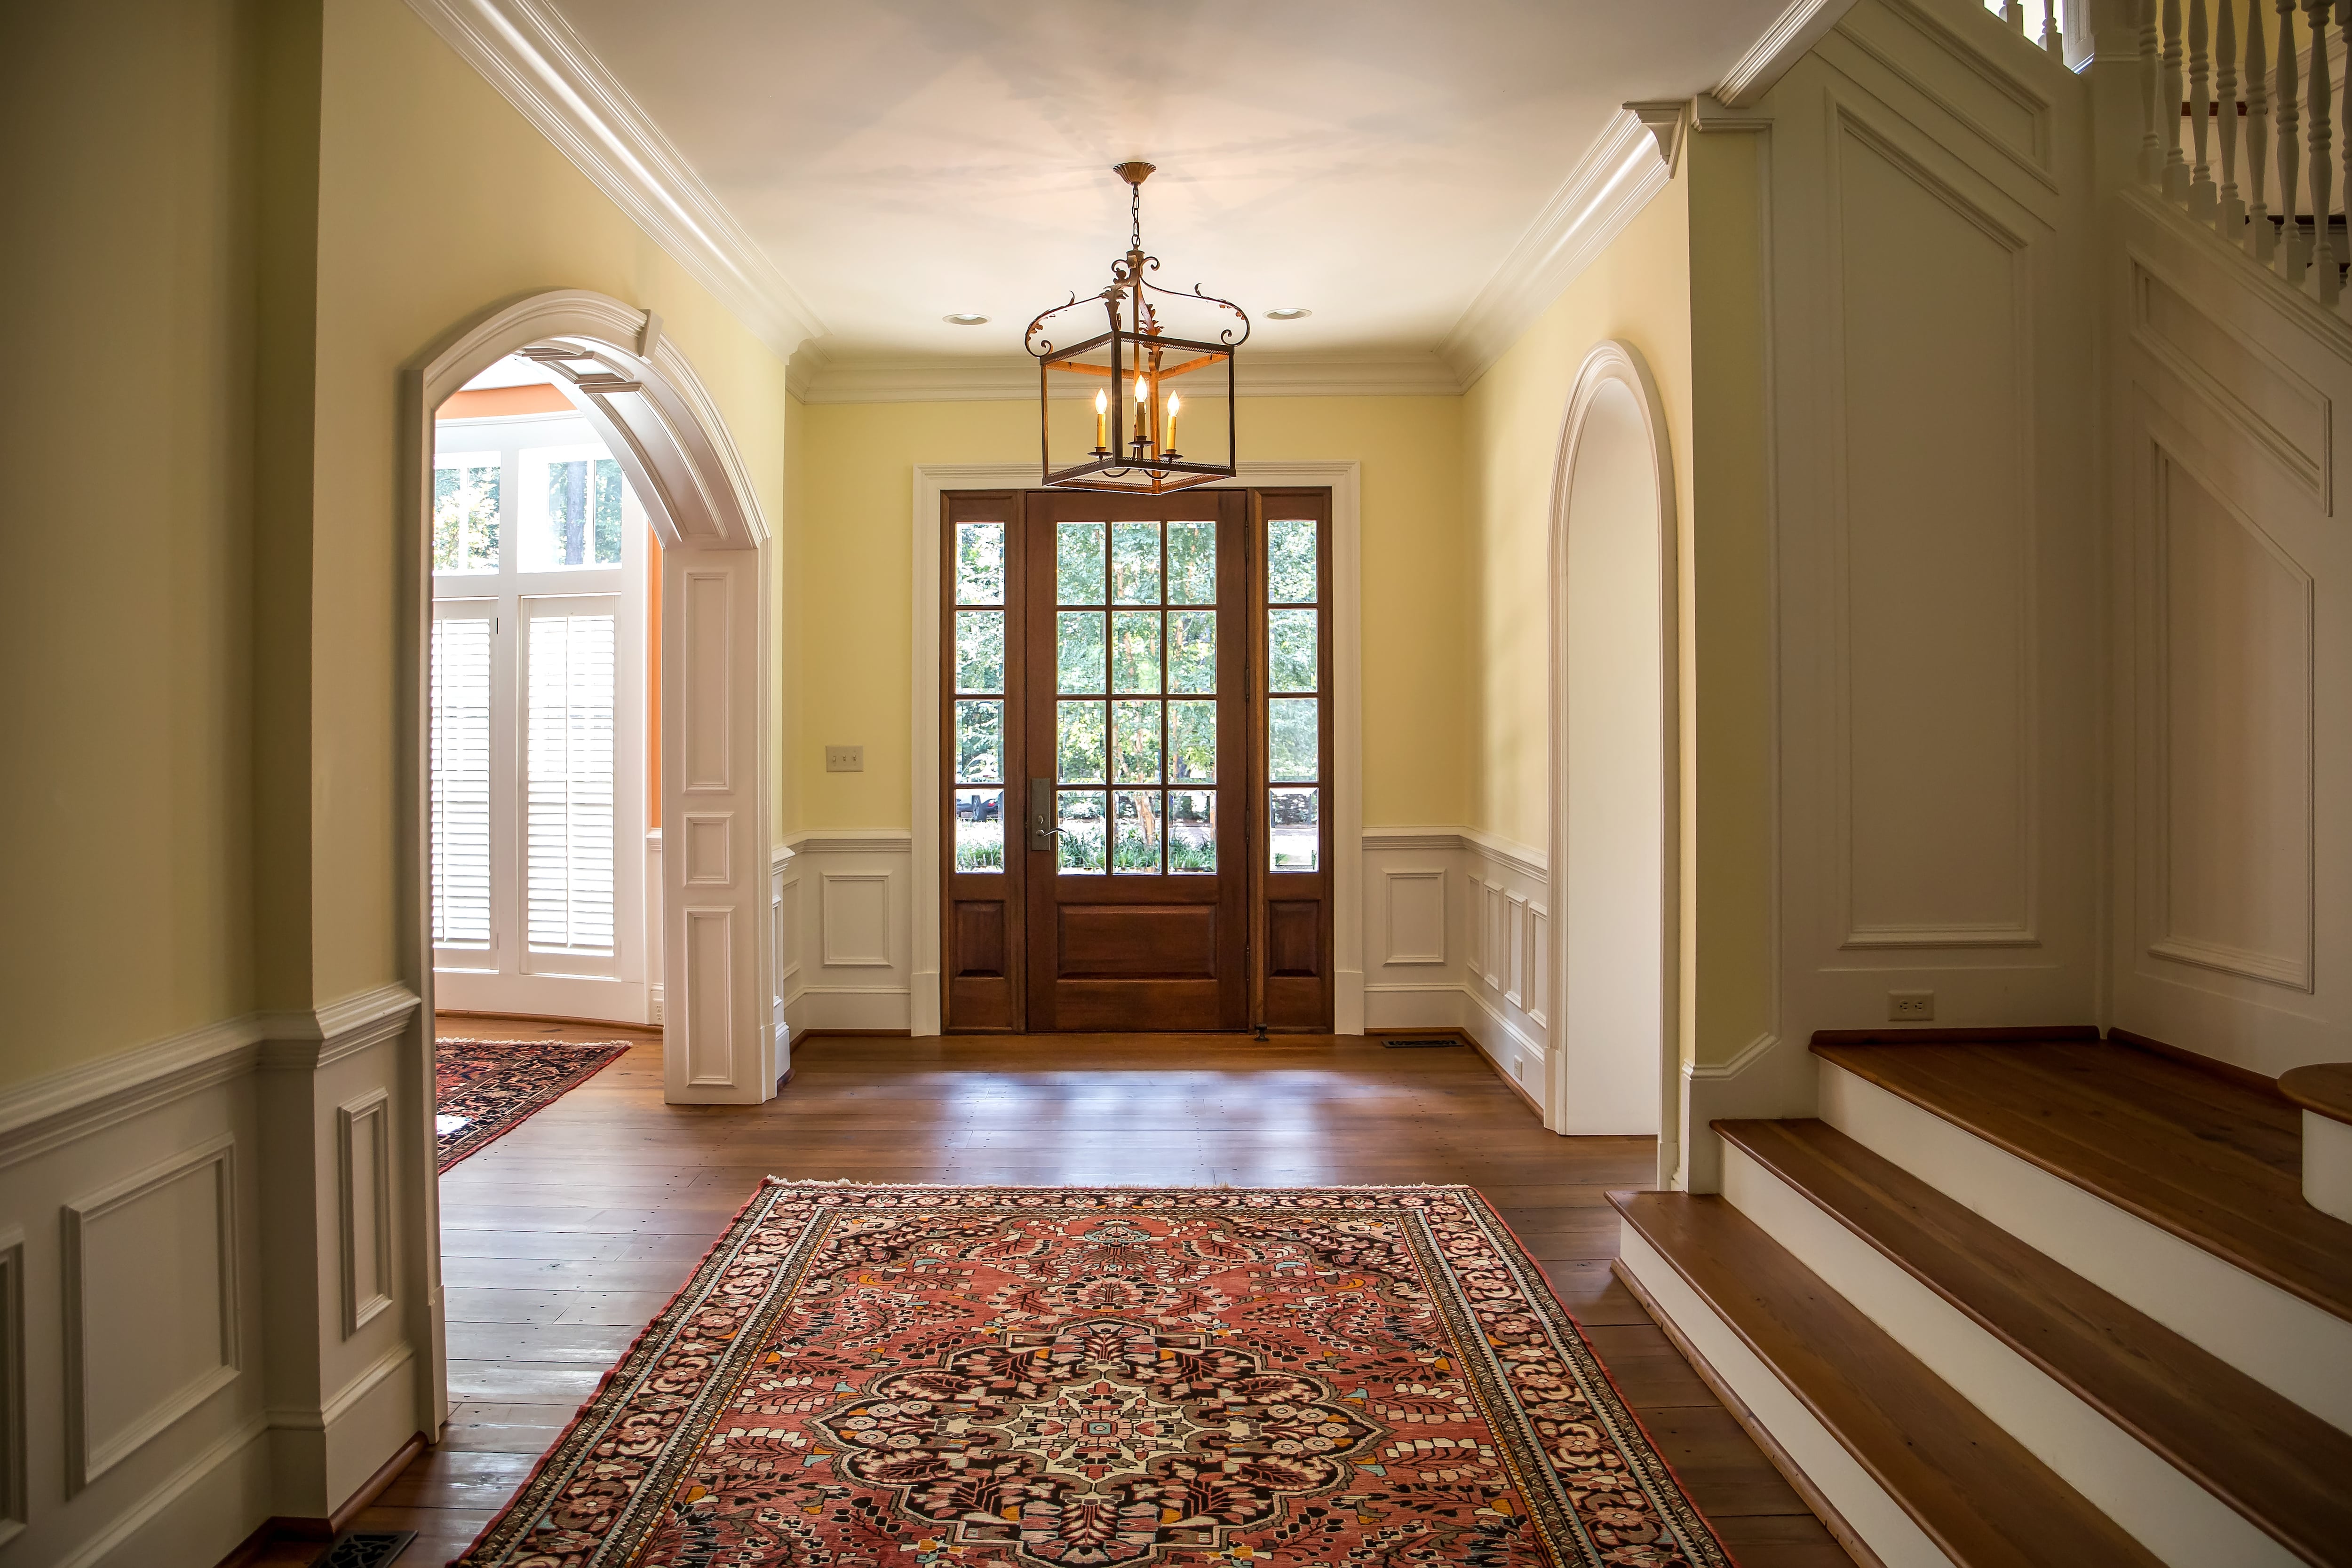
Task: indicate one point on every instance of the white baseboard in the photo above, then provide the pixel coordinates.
(2280, 1340)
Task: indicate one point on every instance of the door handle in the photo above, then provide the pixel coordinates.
(1041, 831)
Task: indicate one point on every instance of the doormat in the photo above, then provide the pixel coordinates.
(1417, 1044)
(1050, 1377)
(364, 1549)
(485, 1089)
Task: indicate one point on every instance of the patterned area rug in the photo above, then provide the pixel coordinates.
(1045, 1377)
(487, 1087)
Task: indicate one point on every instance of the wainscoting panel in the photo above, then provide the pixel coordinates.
(167, 1233)
(1416, 923)
(709, 973)
(847, 904)
(363, 1160)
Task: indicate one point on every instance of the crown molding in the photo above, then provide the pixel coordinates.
(541, 66)
(814, 377)
(1792, 33)
(1604, 192)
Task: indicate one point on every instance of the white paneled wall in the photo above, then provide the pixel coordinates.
(1457, 932)
(250, 1174)
(844, 922)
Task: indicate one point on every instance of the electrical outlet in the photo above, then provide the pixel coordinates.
(844, 760)
(1910, 1007)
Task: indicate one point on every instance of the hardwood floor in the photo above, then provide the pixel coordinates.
(560, 1240)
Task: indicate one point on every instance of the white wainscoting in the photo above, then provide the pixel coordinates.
(202, 1253)
(844, 934)
(1457, 932)
(2232, 879)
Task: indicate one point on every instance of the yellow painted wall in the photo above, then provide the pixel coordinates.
(437, 200)
(1638, 289)
(249, 220)
(857, 608)
(125, 897)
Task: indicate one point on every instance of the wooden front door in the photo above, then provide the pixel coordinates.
(1136, 721)
(1135, 753)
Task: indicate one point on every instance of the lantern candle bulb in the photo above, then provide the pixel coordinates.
(1174, 402)
(1142, 401)
(1102, 410)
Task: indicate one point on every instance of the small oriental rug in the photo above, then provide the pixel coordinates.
(487, 1087)
(1049, 1377)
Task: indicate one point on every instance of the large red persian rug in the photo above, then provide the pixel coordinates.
(485, 1089)
(985, 1377)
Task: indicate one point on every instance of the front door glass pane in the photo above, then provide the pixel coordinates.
(1078, 651)
(1079, 563)
(1134, 845)
(980, 742)
(1192, 742)
(1290, 649)
(1135, 742)
(1081, 841)
(1191, 831)
(1297, 834)
(1192, 650)
(980, 829)
(1135, 650)
(979, 563)
(1079, 743)
(1291, 749)
(979, 651)
(1135, 563)
(1290, 561)
(1192, 562)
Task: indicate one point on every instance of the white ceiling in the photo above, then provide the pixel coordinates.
(1371, 160)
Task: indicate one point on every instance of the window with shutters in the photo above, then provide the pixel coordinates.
(537, 807)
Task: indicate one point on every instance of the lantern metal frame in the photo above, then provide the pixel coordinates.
(1135, 464)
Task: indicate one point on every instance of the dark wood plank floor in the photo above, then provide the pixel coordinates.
(560, 1240)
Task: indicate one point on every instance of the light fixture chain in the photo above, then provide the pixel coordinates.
(1135, 217)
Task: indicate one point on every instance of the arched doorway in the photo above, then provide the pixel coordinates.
(723, 1040)
(1615, 818)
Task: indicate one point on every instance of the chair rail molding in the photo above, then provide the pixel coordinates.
(1344, 478)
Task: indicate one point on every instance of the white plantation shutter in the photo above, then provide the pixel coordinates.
(461, 781)
(569, 784)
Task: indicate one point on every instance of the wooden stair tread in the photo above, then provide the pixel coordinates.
(2324, 1087)
(2217, 1164)
(2266, 1457)
(1972, 1487)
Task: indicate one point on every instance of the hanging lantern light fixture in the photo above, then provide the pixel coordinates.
(1146, 405)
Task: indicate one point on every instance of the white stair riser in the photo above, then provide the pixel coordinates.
(1863, 1504)
(2279, 1340)
(2327, 1164)
(2165, 1512)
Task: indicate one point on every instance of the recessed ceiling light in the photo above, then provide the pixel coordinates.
(1289, 313)
(965, 318)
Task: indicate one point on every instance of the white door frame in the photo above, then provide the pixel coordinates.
(1343, 478)
(1615, 361)
(722, 1042)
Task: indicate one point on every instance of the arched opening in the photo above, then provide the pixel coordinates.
(712, 946)
(1614, 817)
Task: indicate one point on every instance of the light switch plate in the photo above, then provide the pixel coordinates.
(844, 760)
(1910, 1007)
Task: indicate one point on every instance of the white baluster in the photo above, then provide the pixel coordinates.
(2013, 13)
(2260, 236)
(2291, 250)
(2176, 168)
(2052, 38)
(2200, 114)
(2343, 294)
(2230, 214)
(2326, 281)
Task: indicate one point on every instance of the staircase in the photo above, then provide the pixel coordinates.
(1879, 1294)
